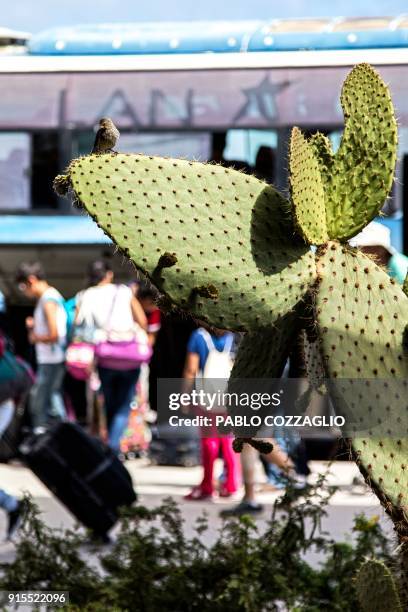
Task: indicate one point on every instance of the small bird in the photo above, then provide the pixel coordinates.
(106, 136)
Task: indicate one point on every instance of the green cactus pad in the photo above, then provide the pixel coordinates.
(215, 241)
(314, 372)
(313, 361)
(361, 174)
(258, 366)
(376, 588)
(307, 190)
(263, 354)
(405, 285)
(323, 152)
(361, 316)
(384, 465)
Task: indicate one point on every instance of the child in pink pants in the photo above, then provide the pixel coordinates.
(200, 352)
(210, 448)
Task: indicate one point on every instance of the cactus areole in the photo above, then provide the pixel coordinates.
(229, 249)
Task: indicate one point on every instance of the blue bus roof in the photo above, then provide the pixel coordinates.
(223, 37)
(23, 230)
(50, 229)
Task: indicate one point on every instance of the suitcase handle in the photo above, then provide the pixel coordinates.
(105, 464)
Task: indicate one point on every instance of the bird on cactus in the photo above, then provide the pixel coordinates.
(106, 136)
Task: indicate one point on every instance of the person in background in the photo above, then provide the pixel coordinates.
(147, 296)
(375, 240)
(199, 349)
(249, 456)
(218, 144)
(274, 475)
(113, 308)
(47, 330)
(75, 390)
(265, 164)
(278, 465)
(14, 510)
(10, 504)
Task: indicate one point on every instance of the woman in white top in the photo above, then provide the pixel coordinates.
(114, 307)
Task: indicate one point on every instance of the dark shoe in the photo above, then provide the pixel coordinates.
(15, 518)
(244, 507)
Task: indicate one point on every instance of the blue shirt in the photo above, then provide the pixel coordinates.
(197, 344)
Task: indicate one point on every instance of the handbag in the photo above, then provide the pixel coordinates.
(80, 354)
(123, 354)
(79, 358)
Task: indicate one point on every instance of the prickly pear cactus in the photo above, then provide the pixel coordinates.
(263, 353)
(376, 588)
(361, 172)
(307, 191)
(216, 242)
(383, 463)
(230, 250)
(336, 195)
(361, 314)
(323, 151)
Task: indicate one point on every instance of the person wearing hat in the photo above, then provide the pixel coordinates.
(375, 240)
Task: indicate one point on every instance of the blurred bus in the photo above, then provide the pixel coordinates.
(183, 90)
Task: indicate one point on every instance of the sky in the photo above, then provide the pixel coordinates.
(36, 15)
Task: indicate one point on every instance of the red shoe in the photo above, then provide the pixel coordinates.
(197, 494)
(225, 493)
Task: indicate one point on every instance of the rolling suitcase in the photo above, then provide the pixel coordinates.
(82, 472)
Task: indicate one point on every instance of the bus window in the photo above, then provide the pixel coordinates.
(14, 171)
(253, 151)
(45, 166)
(244, 145)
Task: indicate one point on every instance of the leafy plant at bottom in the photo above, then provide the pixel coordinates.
(153, 566)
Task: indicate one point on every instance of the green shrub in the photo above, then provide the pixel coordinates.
(153, 566)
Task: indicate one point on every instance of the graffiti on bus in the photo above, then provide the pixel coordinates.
(220, 99)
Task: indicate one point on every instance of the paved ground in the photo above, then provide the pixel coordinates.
(153, 483)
